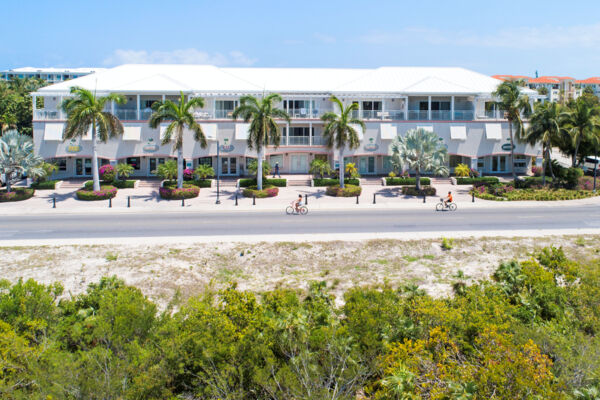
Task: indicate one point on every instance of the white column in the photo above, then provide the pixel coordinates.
(138, 107)
(406, 108)
(34, 105)
(214, 107)
(60, 100)
(310, 134)
(429, 108)
(287, 133)
(112, 107)
(310, 108)
(382, 108)
(452, 107)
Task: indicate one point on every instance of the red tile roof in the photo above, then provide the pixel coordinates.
(510, 77)
(593, 80)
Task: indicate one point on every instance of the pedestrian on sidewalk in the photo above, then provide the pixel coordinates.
(276, 170)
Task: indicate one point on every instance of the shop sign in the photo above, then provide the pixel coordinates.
(226, 147)
(150, 146)
(508, 147)
(73, 146)
(371, 146)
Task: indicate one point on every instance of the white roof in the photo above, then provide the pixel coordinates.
(208, 79)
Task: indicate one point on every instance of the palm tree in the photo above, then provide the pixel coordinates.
(85, 111)
(320, 167)
(180, 116)
(261, 113)
(421, 151)
(17, 157)
(580, 121)
(515, 106)
(340, 132)
(545, 129)
(124, 170)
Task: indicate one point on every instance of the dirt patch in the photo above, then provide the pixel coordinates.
(161, 271)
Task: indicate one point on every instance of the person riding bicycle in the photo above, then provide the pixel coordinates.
(448, 199)
(298, 203)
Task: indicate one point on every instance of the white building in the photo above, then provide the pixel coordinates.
(52, 75)
(392, 100)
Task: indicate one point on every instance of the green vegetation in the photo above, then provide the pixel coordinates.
(279, 182)
(128, 184)
(393, 181)
(447, 243)
(168, 170)
(531, 332)
(351, 170)
(462, 171)
(16, 107)
(106, 192)
(340, 131)
(331, 182)
(413, 191)
(320, 167)
(204, 171)
(475, 181)
(17, 157)
(171, 191)
(16, 194)
(124, 171)
(266, 191)
(347, 191)
(44, 185)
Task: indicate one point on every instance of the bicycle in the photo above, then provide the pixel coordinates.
(442, 207)
(290, 210)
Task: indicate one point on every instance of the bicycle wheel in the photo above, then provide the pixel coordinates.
(303, 210)
(289, 210)
(439, 207)
(452, 207)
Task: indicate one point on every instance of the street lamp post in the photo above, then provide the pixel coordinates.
(218, 171)
(595, 168)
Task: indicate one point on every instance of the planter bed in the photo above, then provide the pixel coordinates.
(128, 184)
(412, 191)
(534, 194)
(347, 191)
(484, 180)
(267, 191)
(171, 192)
(206, 183)
(106, 192)
(405, 181)
(248, 182)
(17, 194)
(333, 182)
(45, 185)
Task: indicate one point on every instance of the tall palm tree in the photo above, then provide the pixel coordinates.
(17, 157)
(515, 106)
(84, 111)
(261, 113)
(580, 121)
(340, 132)
(545, 129)
(180, 116)
(421, 151)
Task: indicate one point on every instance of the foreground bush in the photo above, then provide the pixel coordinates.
(119, 184)
(267, 191)
(347, 191)
(173, 193)
(508, 192)
(201, 183)
(405, 181)
(412, 191)
(16, 194)
(475, 181)
(106, 192)
(247, 182)
(332, 182)
(44, 185)
(529, 332)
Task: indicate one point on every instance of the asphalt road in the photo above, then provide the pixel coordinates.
(181, 224)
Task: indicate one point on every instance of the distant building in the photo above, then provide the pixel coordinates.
(593, 83)
(554, 86)
(51, 75)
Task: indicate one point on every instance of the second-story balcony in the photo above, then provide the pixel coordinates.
(44, 115)
(298, 141)
(464, 115)
(418, 115)
(223, 114)
(127, 114)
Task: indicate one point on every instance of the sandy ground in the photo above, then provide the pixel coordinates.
(161, 271)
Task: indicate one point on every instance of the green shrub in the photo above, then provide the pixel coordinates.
(44, 185)
(347, 191)
(332, 182)
(128, 184)
(247, 182)
(447, 243)
(405, 181)
(412, 191)
(267, 191)
(201, 183)
(480, 180)
(16, 194)
(106, 192)
(503, 192)
(171, 192)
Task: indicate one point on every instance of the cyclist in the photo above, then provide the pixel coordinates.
(448, 199)
(298, 203)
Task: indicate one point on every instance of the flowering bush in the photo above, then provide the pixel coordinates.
(537, 171)
(267, 191)
(106, 192)
(474, 173)
(16, 194)
(503, 192)
(347, 191)
(186, 192)
(107, 173)
(188, 174)
(412, 191)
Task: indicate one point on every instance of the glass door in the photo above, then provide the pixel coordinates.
(362, 165)
(371, 165)
(154, 163)
(499, 163)
(83, 166)
(229, 166)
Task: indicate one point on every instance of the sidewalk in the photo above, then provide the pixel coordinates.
(147, 200)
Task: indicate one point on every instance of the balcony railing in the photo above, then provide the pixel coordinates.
(493, 114)
(439, 115)
(394, 114)
(417, 115)
(318, 141)
(222, 114)
(298, 141)
(145, 114)
(463, 115)
(48, 114)
(126, 114)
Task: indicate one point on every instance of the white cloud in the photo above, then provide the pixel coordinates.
(180, 56)
(546, 37)
(323, 38)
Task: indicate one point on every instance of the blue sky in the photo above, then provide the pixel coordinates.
(510, 37)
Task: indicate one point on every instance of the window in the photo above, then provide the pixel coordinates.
(455, 160)
(134, 162)
(371, 105)
(520, 161)
(228, 105)
(61, 163)
(205, 161)
(480, 163)
(148, 103)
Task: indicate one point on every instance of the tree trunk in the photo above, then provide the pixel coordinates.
(8, 177)
(95, 173)
(577, 144)
(550, 164)
(342, 167)
(259, 169)
(180, 168)
(512, 151)
(417, 179)
(544, 164)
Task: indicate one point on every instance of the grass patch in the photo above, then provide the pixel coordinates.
(111, 257)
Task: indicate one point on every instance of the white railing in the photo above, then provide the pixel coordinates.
(318, 141)
(394, 114)
(203, 114)
(463, 115)
(220, 114)
(417, 115)
(439, 115)
(123, 114)
(298, 140)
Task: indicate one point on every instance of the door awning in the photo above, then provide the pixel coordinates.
(53, 132)
(493, 131)
(388, 131)
(210, 131)
(458, 132)
(428, 128)
(133, 133)
(241, 131)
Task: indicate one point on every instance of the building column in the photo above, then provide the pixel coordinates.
(382, 108)
(138, 107)
(60, 100)
(429, 108)
(406, 108)
(112, 107)
(34, 105)
(310, 107)
(452, 107)
(310, 134)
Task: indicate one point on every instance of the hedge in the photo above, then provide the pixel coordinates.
(473, 181)
(333, 182)
(412, 191)
(206, 183)
(247, 182)
(267, 191)
(106, 192)
(172, 193)
(45, 185)
(348, 191)
(405, 181)
(128, 184)
(17, 194)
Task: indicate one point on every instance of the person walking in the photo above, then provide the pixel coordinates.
(276, 170)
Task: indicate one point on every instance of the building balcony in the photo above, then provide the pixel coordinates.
(298, 141)
(464, 115)
(45, 115)
(418, 115)
(220, 114)
(127, 114)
